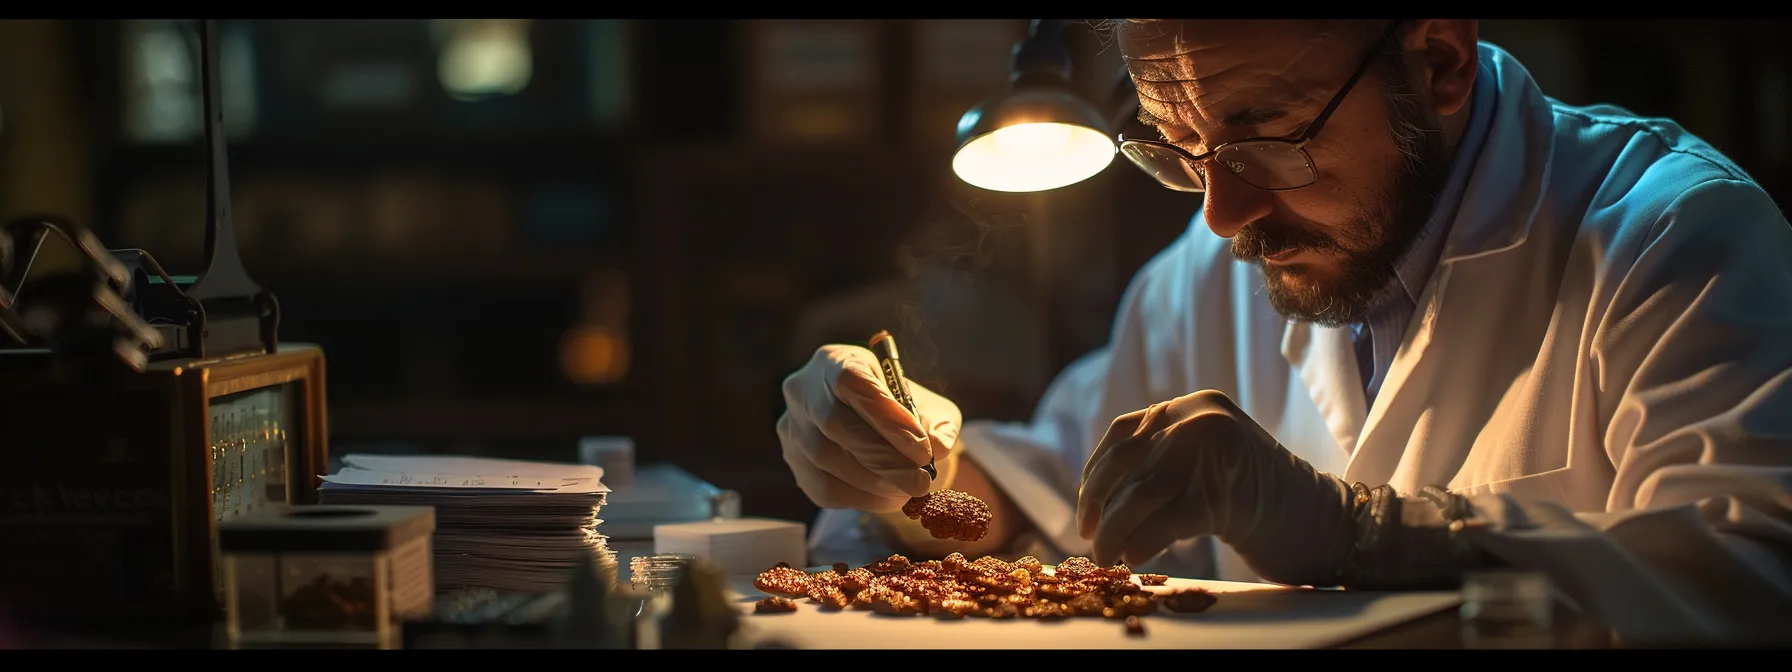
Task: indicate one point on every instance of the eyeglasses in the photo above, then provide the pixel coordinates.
(1271, 164)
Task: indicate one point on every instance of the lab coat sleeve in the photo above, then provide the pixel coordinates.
(1039, 464)
(1691, 363)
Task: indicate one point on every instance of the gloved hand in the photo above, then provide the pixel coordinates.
(847, 440)
(1199, 465)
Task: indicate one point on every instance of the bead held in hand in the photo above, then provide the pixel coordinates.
(950, 514)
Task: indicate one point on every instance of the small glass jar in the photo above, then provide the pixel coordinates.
(1507, 609)
(654, 577)
(724, 505)
(329, 576)
(658, 574)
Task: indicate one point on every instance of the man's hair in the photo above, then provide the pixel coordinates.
(1397, 88)
(1355, 31)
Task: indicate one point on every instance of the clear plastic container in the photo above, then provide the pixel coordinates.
(330, 576)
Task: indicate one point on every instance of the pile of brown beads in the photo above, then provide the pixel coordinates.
(988, 587)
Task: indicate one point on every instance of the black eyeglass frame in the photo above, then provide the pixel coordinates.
(1297, 140)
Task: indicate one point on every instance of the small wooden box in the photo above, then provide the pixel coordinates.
(114, 489)
(336, 576)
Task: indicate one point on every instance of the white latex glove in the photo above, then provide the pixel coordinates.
(847, 440)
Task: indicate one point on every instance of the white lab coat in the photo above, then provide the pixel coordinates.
(1602, 362)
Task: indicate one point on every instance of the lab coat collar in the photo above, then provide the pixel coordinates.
(1414, 269)
(1497, 206)
(1503, 193)
(1326, 363)
(1501, 201)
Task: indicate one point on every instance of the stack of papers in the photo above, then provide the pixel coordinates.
(507, 525)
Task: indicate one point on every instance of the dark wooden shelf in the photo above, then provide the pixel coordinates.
(585, 153)
(759, 162)
(518, 269)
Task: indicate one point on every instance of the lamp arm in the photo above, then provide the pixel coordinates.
(1042, 53)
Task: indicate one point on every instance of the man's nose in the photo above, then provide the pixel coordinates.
(1231, 204)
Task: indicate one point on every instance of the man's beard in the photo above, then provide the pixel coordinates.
(1370, 244)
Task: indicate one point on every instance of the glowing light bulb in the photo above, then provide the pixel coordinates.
(1034, 157)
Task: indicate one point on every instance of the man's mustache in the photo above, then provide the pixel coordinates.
(1260, 239)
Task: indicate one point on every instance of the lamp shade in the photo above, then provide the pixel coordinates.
(1032, 140)
(1038, 133)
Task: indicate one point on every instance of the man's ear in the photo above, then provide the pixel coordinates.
(1448, 52)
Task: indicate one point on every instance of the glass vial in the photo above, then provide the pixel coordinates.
(1507, 609)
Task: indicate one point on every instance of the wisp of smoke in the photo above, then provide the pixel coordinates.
(954, 266)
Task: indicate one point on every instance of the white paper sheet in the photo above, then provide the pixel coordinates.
(1246, 616)
(423, 479)
(459, 464)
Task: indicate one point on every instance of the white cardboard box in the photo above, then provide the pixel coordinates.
(739, 546)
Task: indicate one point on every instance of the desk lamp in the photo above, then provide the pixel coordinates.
(1037, 134)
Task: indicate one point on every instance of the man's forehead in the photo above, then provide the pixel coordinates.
(1233, 68)
(1213, 45)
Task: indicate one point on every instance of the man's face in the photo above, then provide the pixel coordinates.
(1327, 250)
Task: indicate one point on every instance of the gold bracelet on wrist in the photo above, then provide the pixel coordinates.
(1377, 511)
(1456, 512)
